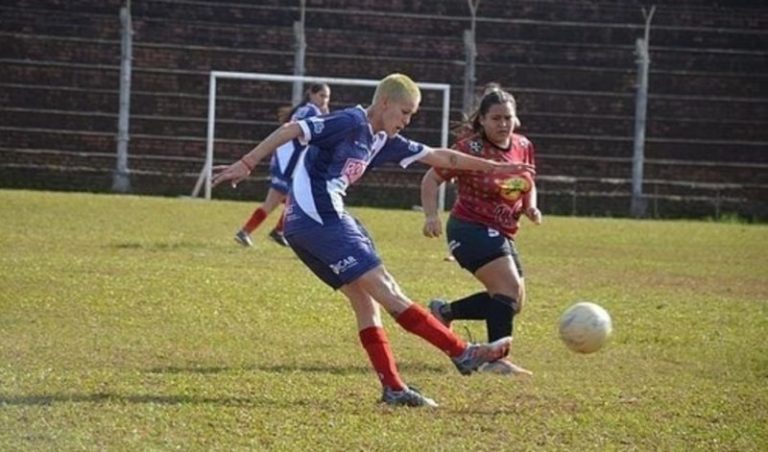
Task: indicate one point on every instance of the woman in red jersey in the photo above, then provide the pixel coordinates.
(484, 220)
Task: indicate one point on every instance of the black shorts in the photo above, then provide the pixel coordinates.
(474, 245)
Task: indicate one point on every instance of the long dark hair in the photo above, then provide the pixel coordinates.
(284, 114)
(490, 98)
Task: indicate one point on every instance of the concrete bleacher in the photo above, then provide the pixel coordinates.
(571, 66)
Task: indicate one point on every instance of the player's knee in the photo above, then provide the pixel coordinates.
(391, 287)
(507, 303)
(387, 292)
(520, 297)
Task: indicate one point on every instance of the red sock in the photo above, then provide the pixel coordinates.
(375, 343)
(257, 217)
(418, 321)
(279, 225)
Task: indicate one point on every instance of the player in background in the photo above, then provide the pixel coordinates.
(484, 220)
(338, 250)
(316, 100)
(466, 131)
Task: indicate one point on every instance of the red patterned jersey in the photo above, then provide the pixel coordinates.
(495, 200)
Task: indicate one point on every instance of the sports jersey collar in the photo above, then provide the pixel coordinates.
(378, 140)
(495, 147)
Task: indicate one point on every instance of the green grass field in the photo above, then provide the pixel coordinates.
(136, 323)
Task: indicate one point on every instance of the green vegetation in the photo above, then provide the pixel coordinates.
(132, 323)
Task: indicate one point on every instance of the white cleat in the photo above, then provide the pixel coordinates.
(411, 397)
(505, 367)
(478, 354)
(243, 238)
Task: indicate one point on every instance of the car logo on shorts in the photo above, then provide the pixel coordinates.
(343, 265)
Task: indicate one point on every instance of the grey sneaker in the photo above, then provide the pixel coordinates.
(278, 237)
(406, 397)
(478, 354)
(504, 367)
(434, 308)
(243, 238)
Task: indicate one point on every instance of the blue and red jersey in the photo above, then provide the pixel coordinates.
(341, 146)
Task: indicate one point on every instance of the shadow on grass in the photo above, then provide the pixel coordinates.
(47, 400)
(98, 398)
(160, 246)
(321, 368)
(165, 247)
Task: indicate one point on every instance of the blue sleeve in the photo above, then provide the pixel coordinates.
(401, 150)
(327, 130)
(304, 111)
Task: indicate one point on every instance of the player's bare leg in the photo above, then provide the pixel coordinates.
(375, 342)
(380, 285)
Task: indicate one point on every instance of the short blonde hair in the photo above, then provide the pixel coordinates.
(397, 87)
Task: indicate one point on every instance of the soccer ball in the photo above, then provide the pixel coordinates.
(585, 327)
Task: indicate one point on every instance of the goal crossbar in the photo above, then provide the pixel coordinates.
(204, 180)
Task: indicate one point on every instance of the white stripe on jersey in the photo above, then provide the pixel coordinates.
(283, 155)
(306, 134)
(336, 191)
(407, 161)
(302, 190)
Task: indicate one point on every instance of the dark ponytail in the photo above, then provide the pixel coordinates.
(284, 114)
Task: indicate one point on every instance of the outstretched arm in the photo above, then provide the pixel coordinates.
(239, 170)
(448, 158)
(430, 185)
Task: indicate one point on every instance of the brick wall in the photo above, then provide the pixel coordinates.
(571, 66)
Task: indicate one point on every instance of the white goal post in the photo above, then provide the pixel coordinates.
(205, 175)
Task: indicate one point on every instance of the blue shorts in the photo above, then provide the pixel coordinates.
(474, 245)
(337, 253)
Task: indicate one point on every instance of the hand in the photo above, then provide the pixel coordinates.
(235, 173)
(432, 226)
(533, 214)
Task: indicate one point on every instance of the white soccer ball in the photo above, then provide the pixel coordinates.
(585, 327)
